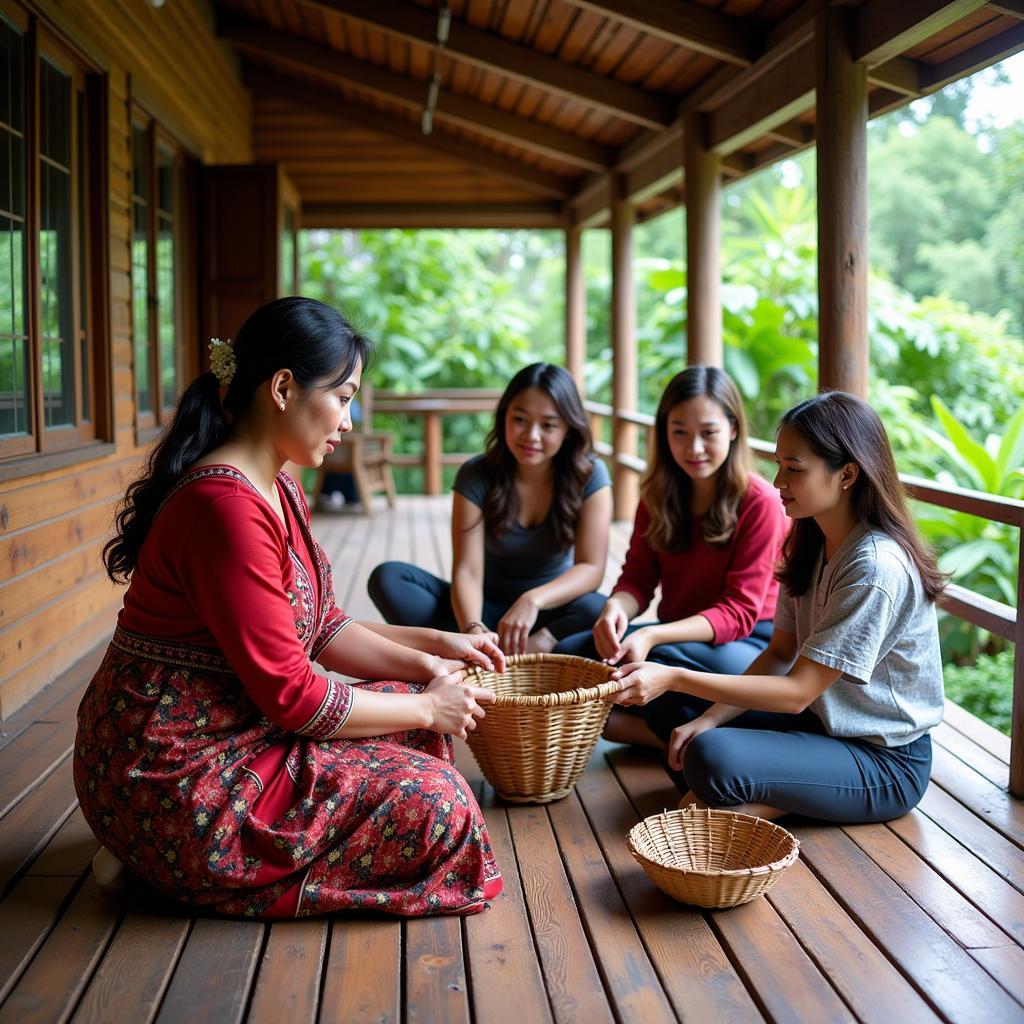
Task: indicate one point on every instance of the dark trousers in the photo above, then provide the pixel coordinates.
(790, 762)
(407, 595)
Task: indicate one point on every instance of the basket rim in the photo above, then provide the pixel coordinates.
(564, 698)
(692, 812)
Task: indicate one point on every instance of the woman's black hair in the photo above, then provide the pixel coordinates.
(572, 464)
(841, 428)
(314, 341)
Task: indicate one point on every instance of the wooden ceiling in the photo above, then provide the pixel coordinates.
(522, 112)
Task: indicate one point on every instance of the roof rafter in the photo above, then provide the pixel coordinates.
(266, 44)
(684, 23)
(884, 29)
(339, 107)
(513, 60)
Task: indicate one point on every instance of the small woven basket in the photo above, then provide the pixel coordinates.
(535, 741)
(711, 858)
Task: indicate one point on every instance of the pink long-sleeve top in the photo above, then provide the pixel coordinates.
(731, 585)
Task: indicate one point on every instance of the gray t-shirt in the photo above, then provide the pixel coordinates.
(866, 614)
(520, 558)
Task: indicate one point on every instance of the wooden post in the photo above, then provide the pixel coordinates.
(575, 307)
(432, 452)
(842, 112)
(624, 373)
(702, 169)
(1017, 712)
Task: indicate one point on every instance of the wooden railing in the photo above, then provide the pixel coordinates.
(432, 407)
(996, 617)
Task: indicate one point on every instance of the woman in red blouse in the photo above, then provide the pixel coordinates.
(709, 532)
(211, 758)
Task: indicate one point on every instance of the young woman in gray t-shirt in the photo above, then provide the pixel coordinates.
(530, 521)
(840, 704)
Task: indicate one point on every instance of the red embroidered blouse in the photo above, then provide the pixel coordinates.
(220, 570)
(732, 586)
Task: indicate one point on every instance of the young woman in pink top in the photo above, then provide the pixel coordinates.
(709, 531)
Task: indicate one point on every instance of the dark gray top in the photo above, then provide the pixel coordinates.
(520, 558)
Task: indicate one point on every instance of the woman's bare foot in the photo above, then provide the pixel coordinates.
(108, 869)
(623, 727)
(541, 642)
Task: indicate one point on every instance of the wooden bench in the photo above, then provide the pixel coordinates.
(918, 919)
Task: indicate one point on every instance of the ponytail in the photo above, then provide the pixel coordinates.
(314, 341)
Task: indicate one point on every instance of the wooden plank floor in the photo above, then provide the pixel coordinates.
(920, 919)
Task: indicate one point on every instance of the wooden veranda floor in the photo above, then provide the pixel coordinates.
(920, 919)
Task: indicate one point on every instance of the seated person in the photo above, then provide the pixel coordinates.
(530, 521)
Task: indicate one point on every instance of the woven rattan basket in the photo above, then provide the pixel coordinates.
(535, 741)
(712, 858)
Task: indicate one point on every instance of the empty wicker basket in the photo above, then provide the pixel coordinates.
(534, 743)
(711, 858)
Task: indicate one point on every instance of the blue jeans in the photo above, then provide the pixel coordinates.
(731, 659)
(407, 595)
(790, 762)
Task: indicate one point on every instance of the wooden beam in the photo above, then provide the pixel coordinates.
(884, 29)
(703, 257)
(575, 307)
(268, 45)
(343, 109)
(683, 23)
(1011, 8)
(795, 134)
(624, 361)
(902, 75)
(981, 56)
(432, 215)
(513, 60)
(782, 94)
(842, 206)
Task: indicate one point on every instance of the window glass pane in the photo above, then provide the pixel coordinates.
(167, 275)
(15, 398)
(141, 173)
(140, 304)
(288, 254)
(55, 282)
(12, 121)
(55, 296)
(140, 162)
(12, 62)
(54, 113)
(15, 403)
(83, 263)
(166, 309)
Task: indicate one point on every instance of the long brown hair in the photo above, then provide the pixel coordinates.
(841, 428)
(666, 489)
(572, 463)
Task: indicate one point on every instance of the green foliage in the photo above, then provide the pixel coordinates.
(984, 688)
(978, 554)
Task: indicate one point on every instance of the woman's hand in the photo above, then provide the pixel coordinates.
(516, 624)
(683, 735)
(479, 647)
(635, 647)
(608, 631)
(455, 706)
(641, 682)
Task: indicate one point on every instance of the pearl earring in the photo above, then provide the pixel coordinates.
(281, 407)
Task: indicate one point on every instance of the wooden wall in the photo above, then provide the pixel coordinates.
(55, 599)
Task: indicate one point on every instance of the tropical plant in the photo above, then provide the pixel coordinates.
(984, 688)
(979, 554)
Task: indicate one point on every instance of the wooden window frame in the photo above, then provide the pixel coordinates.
(90, 434)
(149, 423)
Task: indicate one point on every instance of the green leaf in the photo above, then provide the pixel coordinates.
(1010, 457)
(970, 452)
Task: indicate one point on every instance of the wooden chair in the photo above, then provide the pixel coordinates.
(366, 454)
